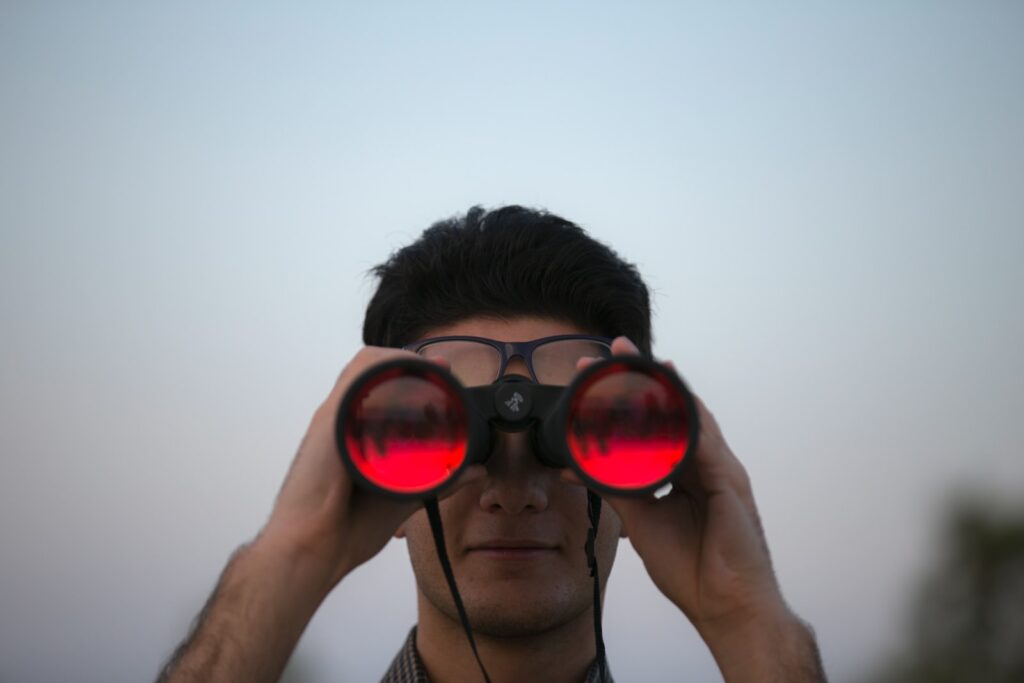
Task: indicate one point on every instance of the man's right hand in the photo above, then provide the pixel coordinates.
(322, 527)
(321, 517)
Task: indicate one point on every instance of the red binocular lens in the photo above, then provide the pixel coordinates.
(625, 425)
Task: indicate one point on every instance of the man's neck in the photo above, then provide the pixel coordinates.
(559, 655)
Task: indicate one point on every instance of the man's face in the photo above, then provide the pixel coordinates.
(516, 538)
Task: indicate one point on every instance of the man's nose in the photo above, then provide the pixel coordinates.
(517, 366)
(516, 480)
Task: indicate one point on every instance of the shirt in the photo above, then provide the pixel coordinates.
(407, 667)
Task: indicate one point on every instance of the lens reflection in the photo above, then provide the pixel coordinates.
(627, 428)
(405, 432)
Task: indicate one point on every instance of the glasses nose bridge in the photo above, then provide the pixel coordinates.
(521, 351)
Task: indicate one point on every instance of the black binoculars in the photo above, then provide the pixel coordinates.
(625, 425)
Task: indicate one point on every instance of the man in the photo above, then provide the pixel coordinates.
(515, 528)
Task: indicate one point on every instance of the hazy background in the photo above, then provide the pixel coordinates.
(827, 202)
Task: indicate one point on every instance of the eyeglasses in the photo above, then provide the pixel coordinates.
(477, 361)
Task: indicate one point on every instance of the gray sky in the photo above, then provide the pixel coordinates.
(827, 201)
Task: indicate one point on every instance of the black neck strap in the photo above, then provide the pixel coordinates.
(434, 515)
(594, 513)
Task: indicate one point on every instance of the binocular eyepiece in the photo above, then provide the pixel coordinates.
(625, 425)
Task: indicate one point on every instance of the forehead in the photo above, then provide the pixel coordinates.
(522, 328)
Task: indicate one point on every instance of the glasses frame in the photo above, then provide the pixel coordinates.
(508, 350)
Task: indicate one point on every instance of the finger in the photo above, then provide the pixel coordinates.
(623, 505)
(688, 481)
(636, 512)
(629, 509)
(585, 362)
(370, 508)
(622, 346)
(717, 466)
(708, 422)
(440, 361)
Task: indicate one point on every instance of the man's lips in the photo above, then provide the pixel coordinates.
(511, 548)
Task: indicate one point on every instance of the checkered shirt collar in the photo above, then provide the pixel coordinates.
(407, 667)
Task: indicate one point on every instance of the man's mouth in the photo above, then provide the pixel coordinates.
(511, 548)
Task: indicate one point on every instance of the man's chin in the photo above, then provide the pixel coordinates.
(518, 616)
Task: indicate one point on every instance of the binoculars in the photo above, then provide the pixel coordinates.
(625, 425)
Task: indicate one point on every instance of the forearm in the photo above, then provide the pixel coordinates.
(776, 649)
(252, 622)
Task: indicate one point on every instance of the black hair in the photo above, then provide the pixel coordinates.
(504, 263)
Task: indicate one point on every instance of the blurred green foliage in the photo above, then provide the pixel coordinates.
(967, 619)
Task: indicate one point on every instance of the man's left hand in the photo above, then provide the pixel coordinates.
(703, 546)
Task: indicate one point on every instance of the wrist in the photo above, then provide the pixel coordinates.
(753, 614)
(314, 569)
(767, 644)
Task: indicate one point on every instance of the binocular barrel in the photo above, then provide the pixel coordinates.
(625, 425)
